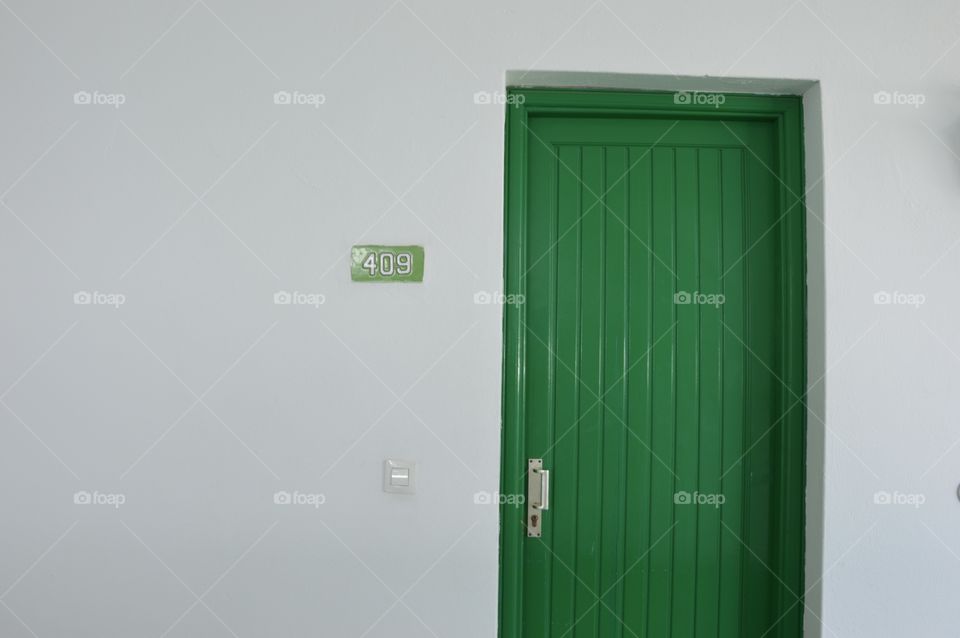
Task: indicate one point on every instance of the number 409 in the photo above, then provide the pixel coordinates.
(387, 264)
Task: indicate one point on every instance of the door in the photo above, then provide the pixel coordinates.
(654, 366)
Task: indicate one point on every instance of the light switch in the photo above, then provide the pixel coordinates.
(399, 476)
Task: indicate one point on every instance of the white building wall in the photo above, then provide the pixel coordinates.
(197, 398)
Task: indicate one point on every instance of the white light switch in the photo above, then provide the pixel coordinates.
(399, 476)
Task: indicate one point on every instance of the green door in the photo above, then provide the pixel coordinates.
(655, 366)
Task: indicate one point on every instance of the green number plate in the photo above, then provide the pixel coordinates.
(386, 263)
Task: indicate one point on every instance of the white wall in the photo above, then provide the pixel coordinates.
(198, 398)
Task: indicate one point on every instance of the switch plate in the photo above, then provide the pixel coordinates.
(399, 477)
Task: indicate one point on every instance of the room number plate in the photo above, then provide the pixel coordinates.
(386, 263)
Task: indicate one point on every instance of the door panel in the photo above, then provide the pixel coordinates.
(649, 355)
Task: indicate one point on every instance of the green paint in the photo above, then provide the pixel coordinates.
(386, 263)
(653, 368)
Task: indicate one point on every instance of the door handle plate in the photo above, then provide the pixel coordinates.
(538, 496)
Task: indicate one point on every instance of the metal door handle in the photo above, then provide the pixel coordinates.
(538, 495)
(544, 490)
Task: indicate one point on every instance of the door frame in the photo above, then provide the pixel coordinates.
(786, 113)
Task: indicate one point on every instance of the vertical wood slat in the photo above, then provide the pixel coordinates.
(763, 409)
(640, 338)
(537, 391)
(591, 339)
(549, 458)
(685, 432)
(615, 413)
(565, 451)
(710, 397)
(734, 392)
(660, 498)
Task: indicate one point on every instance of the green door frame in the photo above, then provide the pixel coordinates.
(786, 113)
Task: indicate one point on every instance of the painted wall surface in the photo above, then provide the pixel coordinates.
(182, 455)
